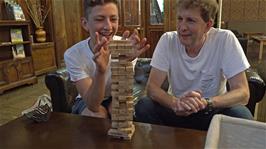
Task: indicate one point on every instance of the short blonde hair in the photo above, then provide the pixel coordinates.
(208, 8)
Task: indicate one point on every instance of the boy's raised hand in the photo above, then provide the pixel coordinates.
(102, 53)
(139, 45)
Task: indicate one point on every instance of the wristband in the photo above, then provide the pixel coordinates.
(209, 107)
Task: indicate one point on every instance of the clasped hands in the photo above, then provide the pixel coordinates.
(102, 52)
(190, 102)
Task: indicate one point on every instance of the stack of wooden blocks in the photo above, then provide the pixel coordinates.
(122, 90)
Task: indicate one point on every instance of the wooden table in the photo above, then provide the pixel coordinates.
(73, 131)
(262, 41)
(248, 35)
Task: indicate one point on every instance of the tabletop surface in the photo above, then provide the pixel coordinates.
(65, 131)
(259, 37)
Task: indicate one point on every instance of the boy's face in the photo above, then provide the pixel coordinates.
(104, 20)
(191, 27)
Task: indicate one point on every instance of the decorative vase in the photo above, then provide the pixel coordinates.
(40, 34)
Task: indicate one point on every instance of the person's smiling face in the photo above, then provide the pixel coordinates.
(104, 20)
(191, 27)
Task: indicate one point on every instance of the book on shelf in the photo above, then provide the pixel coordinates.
(14, 11)
(16, 35)
(18, 51)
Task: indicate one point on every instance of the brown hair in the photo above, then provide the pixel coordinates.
(89, 4)
(208, 8)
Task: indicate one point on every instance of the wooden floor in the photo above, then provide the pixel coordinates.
(14, 101)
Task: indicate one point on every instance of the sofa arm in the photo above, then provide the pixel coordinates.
(256, 87)
(62, 90)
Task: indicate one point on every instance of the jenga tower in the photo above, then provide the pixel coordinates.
(122, 90)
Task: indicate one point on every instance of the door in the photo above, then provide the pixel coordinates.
(144, 15)
(131, 16)
(154, 23)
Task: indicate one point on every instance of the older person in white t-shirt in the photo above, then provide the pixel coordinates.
(197, 60)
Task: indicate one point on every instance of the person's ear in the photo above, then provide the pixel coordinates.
(84, 25)
(210, 23)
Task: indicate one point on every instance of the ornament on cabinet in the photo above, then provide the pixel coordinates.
(38, 11)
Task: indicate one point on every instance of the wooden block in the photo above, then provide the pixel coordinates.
(122, 112)
(125, 124)
(127, 104)
(116, 62)
(114, 93)
(122, 73)
(115, 103)
(121, 135)
(125, 98)
(129, 68)
(119, 117)
(125, 91)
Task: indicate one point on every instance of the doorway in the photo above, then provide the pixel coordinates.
(147, 16)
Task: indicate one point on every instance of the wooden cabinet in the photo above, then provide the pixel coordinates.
(15, 71)
(43, 55)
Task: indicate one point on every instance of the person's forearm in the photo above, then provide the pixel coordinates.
(231, 98)
(95, 94)
(160, 96)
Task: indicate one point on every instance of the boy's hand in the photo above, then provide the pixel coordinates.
(102, 54)
(139, 45)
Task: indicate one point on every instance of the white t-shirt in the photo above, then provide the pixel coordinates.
(220, 58)
(79, 63)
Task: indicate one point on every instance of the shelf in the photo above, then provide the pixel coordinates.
(18, 71)
(41, 45)
(13, 23)
(4, 44)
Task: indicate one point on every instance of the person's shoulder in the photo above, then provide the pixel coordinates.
(220, 32)
(78, 46)
(169, 35)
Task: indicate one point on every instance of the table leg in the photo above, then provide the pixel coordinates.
(261, 50)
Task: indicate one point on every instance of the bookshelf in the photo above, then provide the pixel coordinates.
(15, 71)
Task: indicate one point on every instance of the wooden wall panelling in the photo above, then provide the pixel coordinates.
(154, 33)
(251, 10)
(67, 28)
(226, 10)
(73, 26)
(237, 10)
(170, 15)
(59, 29)
(262, 10)
(244, 10)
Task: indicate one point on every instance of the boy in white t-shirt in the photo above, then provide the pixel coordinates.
(88, 62)
(197, 60)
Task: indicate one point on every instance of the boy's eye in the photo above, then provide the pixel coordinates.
(191, 20)
(114, 19)
(98, 19)
(179, 19)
